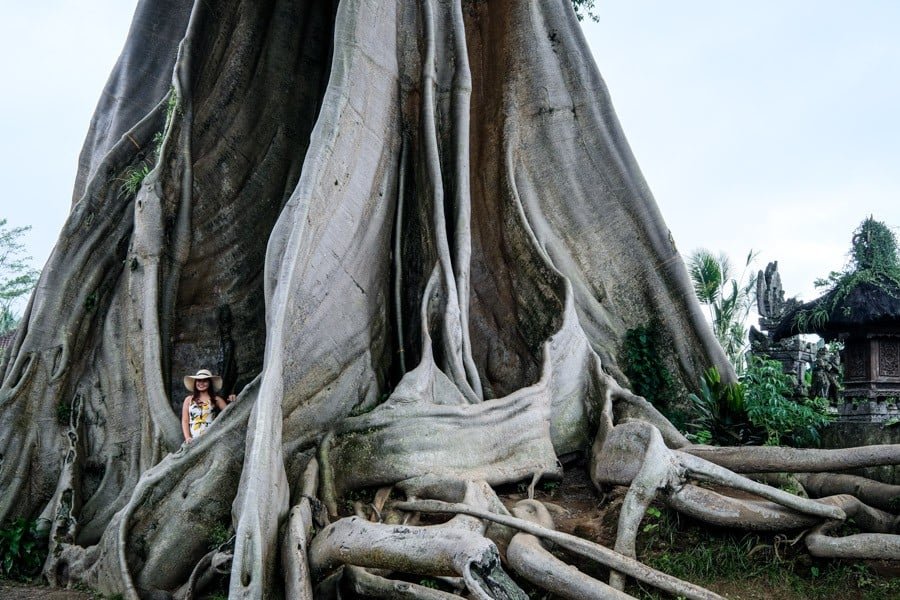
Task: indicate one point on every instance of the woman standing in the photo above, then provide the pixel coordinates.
(198, 411)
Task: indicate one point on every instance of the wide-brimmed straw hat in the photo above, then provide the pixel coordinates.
(203, 374)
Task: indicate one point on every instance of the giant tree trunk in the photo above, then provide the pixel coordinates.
(421, 227)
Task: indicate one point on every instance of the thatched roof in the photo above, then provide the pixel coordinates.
(866, 306)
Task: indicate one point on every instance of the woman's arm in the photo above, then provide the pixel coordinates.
(220, 403)
(186, 419)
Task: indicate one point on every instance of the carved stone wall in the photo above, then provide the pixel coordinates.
(889, 358)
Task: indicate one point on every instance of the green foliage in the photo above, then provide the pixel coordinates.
(756, 410)
(720, 413)
(17, 278)
(22, 549)
(875, 248)
(644, 366)
(134, 177)
(767, 390)
(429, 583)
(652, 519)
(728, 299)
(586, 8)
(218, 535)
(550, 487)
(158, 138)
(874, 259)
(173, 105)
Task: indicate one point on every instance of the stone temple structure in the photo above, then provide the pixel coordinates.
(866, 319)
(795, 355)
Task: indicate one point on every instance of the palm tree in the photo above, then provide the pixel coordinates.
(728, 299)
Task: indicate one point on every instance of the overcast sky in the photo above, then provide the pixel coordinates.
(770, 125)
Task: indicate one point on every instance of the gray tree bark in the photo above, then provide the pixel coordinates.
(432, 237)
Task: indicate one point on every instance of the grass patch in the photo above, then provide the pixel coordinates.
(750, 566)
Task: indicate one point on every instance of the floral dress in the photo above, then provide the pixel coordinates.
(201, 417)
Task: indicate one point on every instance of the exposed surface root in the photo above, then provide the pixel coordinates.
(214, 563)
(603, 555)
(874, 493)
(761, 459)
(363, 583)
(436, 550)
(634, 454)
(528, 558)
(295, 541)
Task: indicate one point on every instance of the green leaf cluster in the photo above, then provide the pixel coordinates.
(720, 413)
(134, 175)
(644, 365)
(767, 390)
(728, 299)
(22, 549)
(756, 410)
(586, 8)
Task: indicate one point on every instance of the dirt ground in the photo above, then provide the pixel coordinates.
(21, 591)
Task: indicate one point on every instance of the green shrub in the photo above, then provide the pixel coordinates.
(757, 410)
(767, 392)
(720, 413)
(643, 364)
(22, 549)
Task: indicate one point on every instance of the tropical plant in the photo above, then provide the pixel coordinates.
(767, 391)
(720, 413)
(728, 299)
(757, 410)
